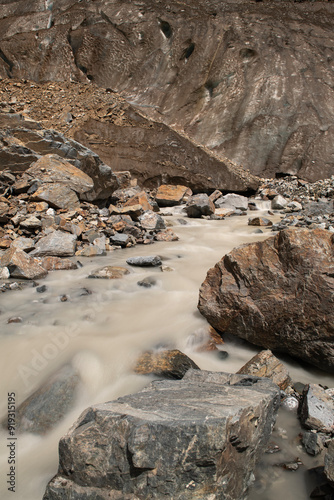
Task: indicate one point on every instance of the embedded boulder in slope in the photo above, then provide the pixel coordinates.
(195, 438)
(278, 294)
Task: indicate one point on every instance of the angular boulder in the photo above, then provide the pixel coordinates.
(57, 243)
(151, 221)
(198, 205)
(231, 200)
(57, 196)
(277, 294)
(317, 409)
(52, 168)
(195, 438)
(329, 462)
(265, 364)
(22, 265)
(169, 195)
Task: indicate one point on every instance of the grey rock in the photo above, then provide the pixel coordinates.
(329, 462)
(23, 243)
(232, 200)
(147, 282)
(31, 223)
(317, 410)
(120, 239)
(278, 203)
(57, 243)
(294, 206)
(312, 443)
(180, 439)
(151, 221)
(44, 409)
(149, 261)
(198, 205)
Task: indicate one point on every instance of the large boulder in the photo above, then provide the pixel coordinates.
(277, 294)
(25, 144)
(56, 243)
(195, 438)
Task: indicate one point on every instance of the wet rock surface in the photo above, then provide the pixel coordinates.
(265, 364)
(169, 364)
(277, 294)
(44, 409)
(211, 423)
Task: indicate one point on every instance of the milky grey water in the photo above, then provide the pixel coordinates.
(101, 334)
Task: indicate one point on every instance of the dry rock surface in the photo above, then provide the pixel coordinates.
(252, 85)
(277, 294)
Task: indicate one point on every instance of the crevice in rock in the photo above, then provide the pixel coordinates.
(166, 28)
(210, 86)
(135, 471)
(9, 63)
(188, 51)
(117, 28)
(247, 53)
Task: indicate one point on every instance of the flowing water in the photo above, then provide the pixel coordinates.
(101, 334)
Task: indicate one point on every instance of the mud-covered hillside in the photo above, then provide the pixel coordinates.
(252, 81)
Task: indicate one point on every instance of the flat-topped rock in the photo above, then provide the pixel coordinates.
(180, 439)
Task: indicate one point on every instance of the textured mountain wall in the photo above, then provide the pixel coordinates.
(251, 81)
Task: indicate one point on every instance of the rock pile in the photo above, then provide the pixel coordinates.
(302, 204)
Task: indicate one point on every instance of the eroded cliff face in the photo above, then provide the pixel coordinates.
(251, 81)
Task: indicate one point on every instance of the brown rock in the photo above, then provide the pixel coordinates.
(167, 235)
(56, 264)
(259, 221)
(139, 199)
(169, 195)
(171, 364)
(265, 364)
(21, 265)
(109, 272)
(277, 294)
(54, 169)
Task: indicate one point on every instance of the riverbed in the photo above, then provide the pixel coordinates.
(102, 332)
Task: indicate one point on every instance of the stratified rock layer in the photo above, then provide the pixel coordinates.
(278, 294)
(244, 80)
(197, 438)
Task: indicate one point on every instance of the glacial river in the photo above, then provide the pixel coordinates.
(105, 331)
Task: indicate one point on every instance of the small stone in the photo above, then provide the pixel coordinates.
(147, 282)
(151, 221)
(166, 269)
(150, 261)
(290, 403)
(63, 298)
(109, 273)
(15, 319)
(259, 221)
(4, 273)
(41, 289)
